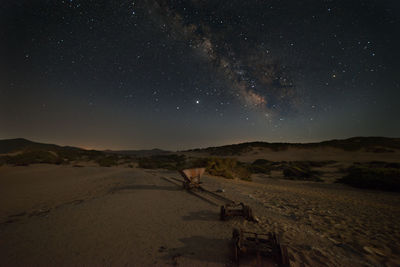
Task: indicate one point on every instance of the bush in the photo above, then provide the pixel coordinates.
(107, 161)
(221, 167)
(387, 179)
(261, 166)
(300, 171)
(32, 157)
(227, 167)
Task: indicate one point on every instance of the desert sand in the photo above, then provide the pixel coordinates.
(91, 216)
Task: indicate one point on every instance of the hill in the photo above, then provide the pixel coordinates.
(21, 151)
(370, 144)
(21, 144)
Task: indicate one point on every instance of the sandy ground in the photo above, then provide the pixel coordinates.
(104, 216)
(64, 216)
(321, 223)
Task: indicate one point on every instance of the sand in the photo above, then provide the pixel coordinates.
(104, 216)
(64, 216)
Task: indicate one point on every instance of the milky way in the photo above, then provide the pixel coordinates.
(252, 74)
(183, 74)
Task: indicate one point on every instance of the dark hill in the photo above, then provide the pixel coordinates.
(32, 152)
(21, 144)
(373, 144)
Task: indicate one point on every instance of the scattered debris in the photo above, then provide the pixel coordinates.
(264, 248)
(191, 177)
(237, 209)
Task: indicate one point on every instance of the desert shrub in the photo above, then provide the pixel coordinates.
(300, 171)
(380, 150)
(221, 167)
(227, 167)
(261, 166)
(107, 161)
(266, 166)
(387, 179)
(243, 171)
(170, 162)
(32, 157)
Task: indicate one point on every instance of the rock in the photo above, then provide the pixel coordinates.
(221, 190)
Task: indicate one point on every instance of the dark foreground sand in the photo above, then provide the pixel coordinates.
(91, 216)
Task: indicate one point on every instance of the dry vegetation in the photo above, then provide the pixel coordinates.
(369, 175)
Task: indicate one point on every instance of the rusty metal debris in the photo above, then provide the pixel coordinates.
(260, 249)
(237, 209)
(192, 184)
(191, 177)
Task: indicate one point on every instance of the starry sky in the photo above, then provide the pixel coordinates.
(197, 73)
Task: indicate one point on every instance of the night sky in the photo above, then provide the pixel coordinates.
(184, 74)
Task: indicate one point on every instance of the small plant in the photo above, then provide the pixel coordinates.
(387, 179)
(300, 171)
(261, 166)
(225, 167)
(32, 157)
(107, 161)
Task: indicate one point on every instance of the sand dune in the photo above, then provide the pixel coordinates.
(309, 154)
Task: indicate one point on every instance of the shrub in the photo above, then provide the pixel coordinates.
(261, 166)
(221, 167)
(372, 178)
(300, 171)
(227, 167)
(32, 157)
(243, 172)
(107, 161)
